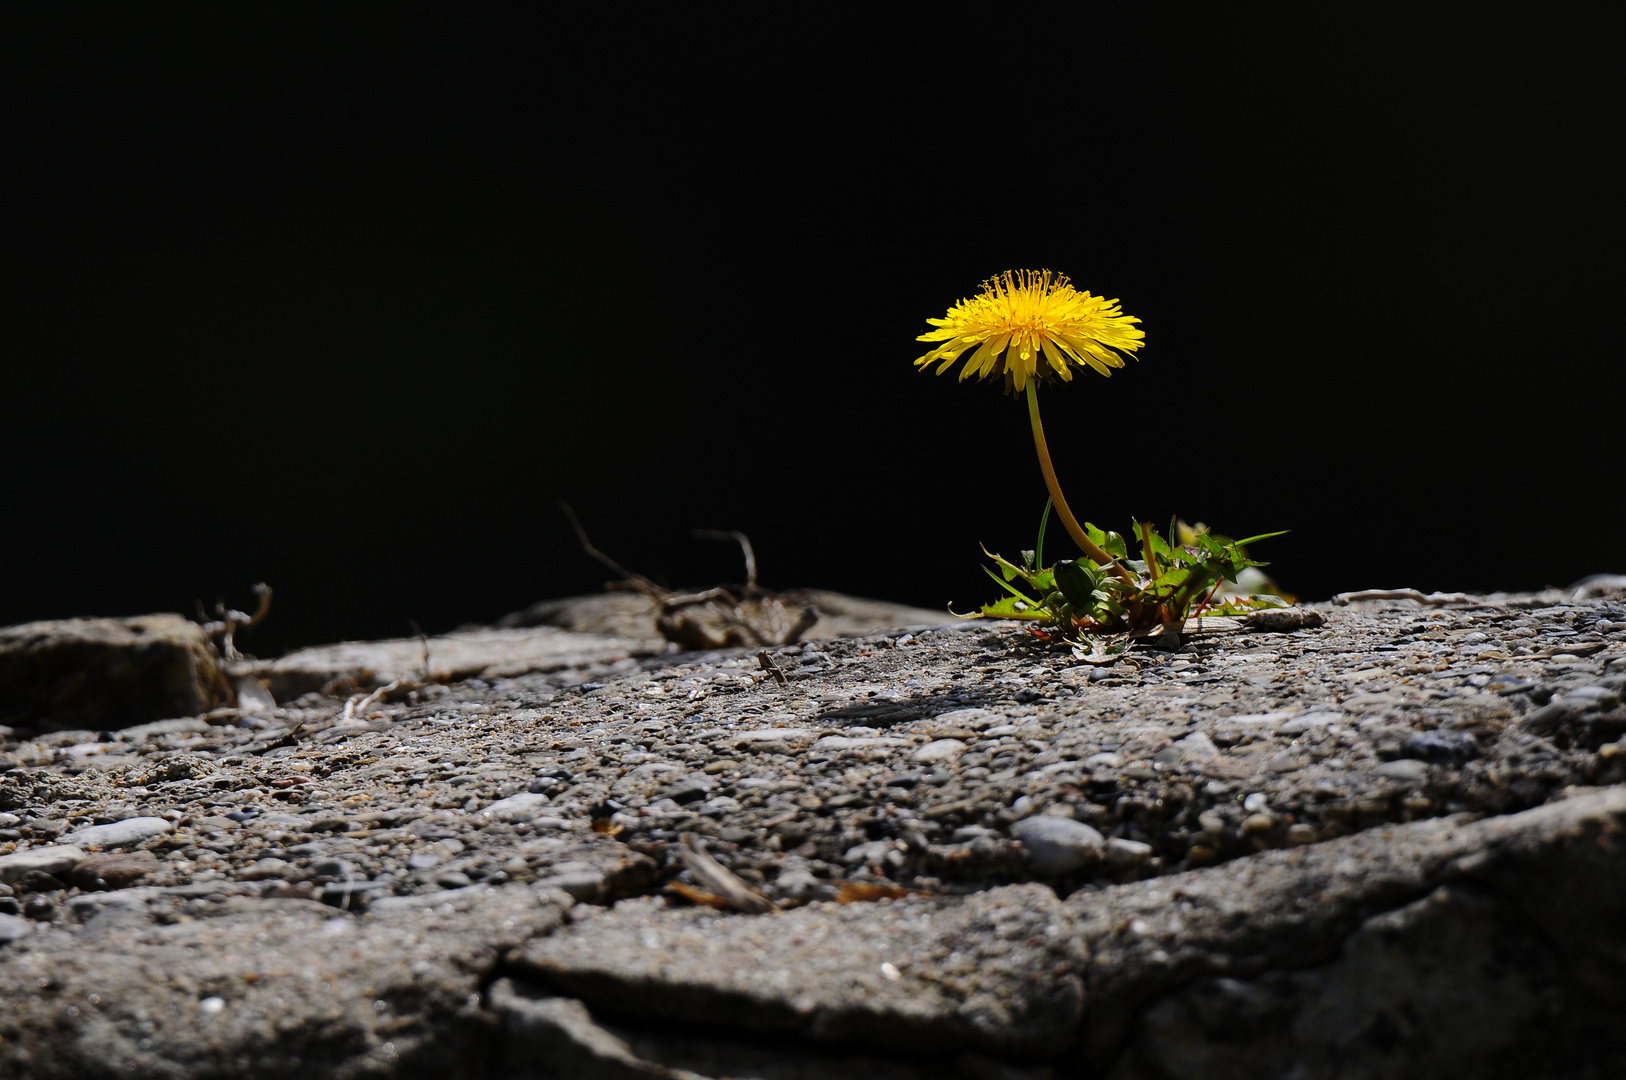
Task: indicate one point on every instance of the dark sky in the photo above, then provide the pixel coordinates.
(348, 302)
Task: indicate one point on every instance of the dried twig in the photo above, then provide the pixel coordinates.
(361, 703)
(721, 880)
(766, 663)
(756, 617)
(745, 547)
(1436, 599)
(289, 738)
(428, 672)
(587, 546)
(677, 600)
(227, 623)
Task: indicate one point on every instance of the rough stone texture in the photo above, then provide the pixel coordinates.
(1391, 844)
(220, 982)
(488, 654)
(553, 1036)
(107, 673)
(635, 616)
(1447, 985)
(1544, 887)
(996, 970)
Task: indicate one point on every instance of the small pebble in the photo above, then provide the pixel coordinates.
(1058, 845)
(1405, 770)
(120, 833)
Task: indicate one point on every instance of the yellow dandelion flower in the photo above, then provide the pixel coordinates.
(1023, 313)
(1017, 316)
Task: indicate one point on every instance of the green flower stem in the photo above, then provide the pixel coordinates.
(1074, 530)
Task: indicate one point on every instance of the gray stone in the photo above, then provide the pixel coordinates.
(774, 736)
(1121, 854)
(332, 869)
(836, 743)
(1308, 722)
(1446, 746)
(351, 895)
(516, 807)
(120, 833)
(1405, 770)
(269, 868)
(974, 719)
(13, 927)
(583, 886)
(108, 673)
(1284, 620)
(691, 788)
(938, 751)
(873, 852)
(796, 883)
(1197, 747)
(54, 860)
(1058, 845)
(1582, 698)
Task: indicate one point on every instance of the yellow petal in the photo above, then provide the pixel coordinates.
(1057, 360)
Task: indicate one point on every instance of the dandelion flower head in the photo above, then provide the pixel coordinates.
(1023, 313)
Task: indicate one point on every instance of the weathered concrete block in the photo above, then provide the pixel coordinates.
(106, 673)
(995, 971)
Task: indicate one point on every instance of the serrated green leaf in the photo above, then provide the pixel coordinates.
(1041, 580)
(1009, 607)
(1110, 542)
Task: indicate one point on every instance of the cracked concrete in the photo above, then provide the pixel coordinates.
(1387, 846)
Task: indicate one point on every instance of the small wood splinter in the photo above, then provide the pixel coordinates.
(720, 879)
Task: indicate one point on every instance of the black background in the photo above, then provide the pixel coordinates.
(346, 302)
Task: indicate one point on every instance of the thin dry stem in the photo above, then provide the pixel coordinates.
(745, 549)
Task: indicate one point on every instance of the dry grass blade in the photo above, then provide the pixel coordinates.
(857, 892)
(721, 880)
